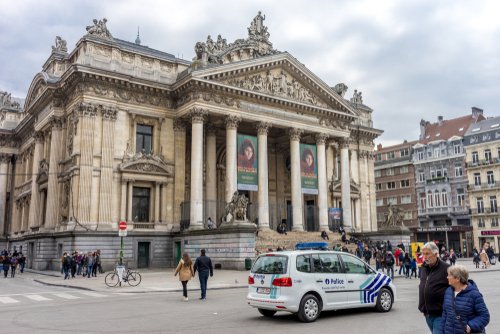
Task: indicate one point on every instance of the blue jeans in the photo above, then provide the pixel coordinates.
(203, 283)
(66, 273)
(89, 271)
(434, 323)
(390, 269)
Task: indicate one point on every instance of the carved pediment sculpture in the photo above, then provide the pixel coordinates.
(99, 29)
(256, 45)
(277, 82)
(141, 162)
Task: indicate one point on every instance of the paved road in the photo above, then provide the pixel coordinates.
(225, 311)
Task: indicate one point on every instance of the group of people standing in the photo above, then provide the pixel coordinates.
(485, 257)
(10, 262)
(78, 263)
(449, 300)
(187, 270)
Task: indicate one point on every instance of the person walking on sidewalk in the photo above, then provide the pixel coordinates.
(6, 265)
(13, 265)
(186, 272)
(203, 265)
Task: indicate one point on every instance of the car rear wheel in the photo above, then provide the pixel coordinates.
(309, 309)
(267, 313)
(384, 300)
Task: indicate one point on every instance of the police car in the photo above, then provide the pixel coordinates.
(307, 282)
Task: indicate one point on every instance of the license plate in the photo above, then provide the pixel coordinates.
(264, 291)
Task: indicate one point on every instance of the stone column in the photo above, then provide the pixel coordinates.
(180, 168)
(231, 156)
(373, 195)
(4, 168)
(163, 202)
(354, 166)
(157, 202)
(86, 115)
(322, 182)
(52, 212)
(109, 115)
(297, 211)
(211, 174)
(345, 184)
(130, 195)
(34, 215)
(123, 208)
(263, 193)
(196, 207)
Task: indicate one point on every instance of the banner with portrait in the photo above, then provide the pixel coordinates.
(308, 169)
(247, 162)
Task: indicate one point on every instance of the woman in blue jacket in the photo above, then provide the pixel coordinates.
(464, 310)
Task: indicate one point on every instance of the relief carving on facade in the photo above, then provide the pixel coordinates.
(8, 141)
(277, 83)
(145, 162)
(72, 122)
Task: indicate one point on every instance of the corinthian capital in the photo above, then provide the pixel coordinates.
(56, 122)
(263, 128)
(198, 115)
(179, 125)
(109, 113)
(295, 134)
(232, 122)
(321, 138)
(344, 142)
(38, 136)
(5, 158)
(86, 110)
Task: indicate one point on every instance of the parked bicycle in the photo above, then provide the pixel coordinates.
(133, 278)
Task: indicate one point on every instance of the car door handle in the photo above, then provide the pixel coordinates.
(319, 280)
(350, 281)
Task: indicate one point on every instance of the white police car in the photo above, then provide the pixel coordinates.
(308, 282)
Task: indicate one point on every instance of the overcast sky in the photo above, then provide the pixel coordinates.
(412, 59)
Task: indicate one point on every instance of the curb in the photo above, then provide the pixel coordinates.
(63, 285)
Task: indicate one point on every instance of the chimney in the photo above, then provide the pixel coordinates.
(476, 112)
(440, 120)
(379, 147)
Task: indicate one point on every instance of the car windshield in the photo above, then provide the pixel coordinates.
(270, 265)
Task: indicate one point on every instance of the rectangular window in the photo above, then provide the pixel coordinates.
(444, 198)
(379, 157)
(437, 199)
(406, 199)
(490, 178)
(421, 176)
(458, 171)
(420, 155)
(475, 157)
(379, 186)
(480, 205)
(405, 152)
(140, 204)
(378, 173)
(390, 155)
(457, 149)
(391, 185)
(433, 173)
(437, 152)
(380, 201)
(389, 171)
(494, 222)
(430, 203)
(405, 183)
(487, 155)
(480, 222)
(477, 179)
(144, 138)
(392, 200)
(403, 170)
(493, 204)
(461, 198)
(422, 201)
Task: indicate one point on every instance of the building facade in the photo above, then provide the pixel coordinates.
(118, 131)
(441, 182)
(395, 184)
(482, 147)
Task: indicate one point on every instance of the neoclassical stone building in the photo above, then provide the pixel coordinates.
(119, 131)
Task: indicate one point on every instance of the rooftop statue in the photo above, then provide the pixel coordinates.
(99, 29)
(60, 45)
(356, 97)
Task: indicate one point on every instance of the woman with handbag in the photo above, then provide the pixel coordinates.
(186, 272)
(464, 310)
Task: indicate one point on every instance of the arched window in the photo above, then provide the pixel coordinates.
(444, 198)
(437, 199)
(430, 202)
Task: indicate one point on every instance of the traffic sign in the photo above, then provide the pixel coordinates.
(123, 225)
(122, 233)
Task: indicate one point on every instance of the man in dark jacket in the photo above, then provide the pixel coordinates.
(367, 254)
(433, 284)
(203, 265)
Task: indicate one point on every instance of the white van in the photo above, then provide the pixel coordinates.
(308, 282)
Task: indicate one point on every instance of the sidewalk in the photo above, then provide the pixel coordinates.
(153, 280)
(163, 280)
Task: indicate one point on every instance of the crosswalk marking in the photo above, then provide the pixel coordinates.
(38, 298)
(92, 294)
(65, 296)
(8, 300)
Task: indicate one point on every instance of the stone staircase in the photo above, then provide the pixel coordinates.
(271, 239)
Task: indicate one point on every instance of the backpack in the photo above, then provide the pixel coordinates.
(389, 260)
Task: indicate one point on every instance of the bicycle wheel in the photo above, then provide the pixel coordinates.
(134, 278)
(111, 279)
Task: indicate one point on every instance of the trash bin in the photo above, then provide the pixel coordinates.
(248, 264)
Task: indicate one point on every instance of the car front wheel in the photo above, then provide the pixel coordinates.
(384, 300)
(267, 313)
(309, 309)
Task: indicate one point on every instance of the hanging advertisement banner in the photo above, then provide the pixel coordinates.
(247, 162)
(308, 169)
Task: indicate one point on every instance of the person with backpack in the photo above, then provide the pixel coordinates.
(389, 263)
(413, 267)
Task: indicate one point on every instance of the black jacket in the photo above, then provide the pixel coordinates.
(203, 264)
(433, 285)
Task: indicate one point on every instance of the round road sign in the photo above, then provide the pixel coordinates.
(122, 225)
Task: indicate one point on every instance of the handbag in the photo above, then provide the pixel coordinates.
(461, 321)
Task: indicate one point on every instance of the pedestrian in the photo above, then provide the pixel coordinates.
(324, 235)
(98, 260)
(85, 263)
(464, 309)
(397, 253)
(90, 264)
(203, 265)
(22, 262)
(433, 284)
(66, 265)
(5, 265)
(79, 259)
(407, 264)
(73, 264)
(475, 258)
(13, 265)
(210, 223)
(389, 263)
(413, 267)
(186, 272)
(485, 261)
(401, 263)
(367, 254)
(378, 259)
(453, 257)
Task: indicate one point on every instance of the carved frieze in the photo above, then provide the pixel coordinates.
(8, 141)
(146, 162)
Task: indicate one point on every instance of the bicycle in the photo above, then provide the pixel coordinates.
(133, 278)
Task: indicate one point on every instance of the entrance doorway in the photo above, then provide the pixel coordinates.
(177, 252)
(310, 208)
(143, 254)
